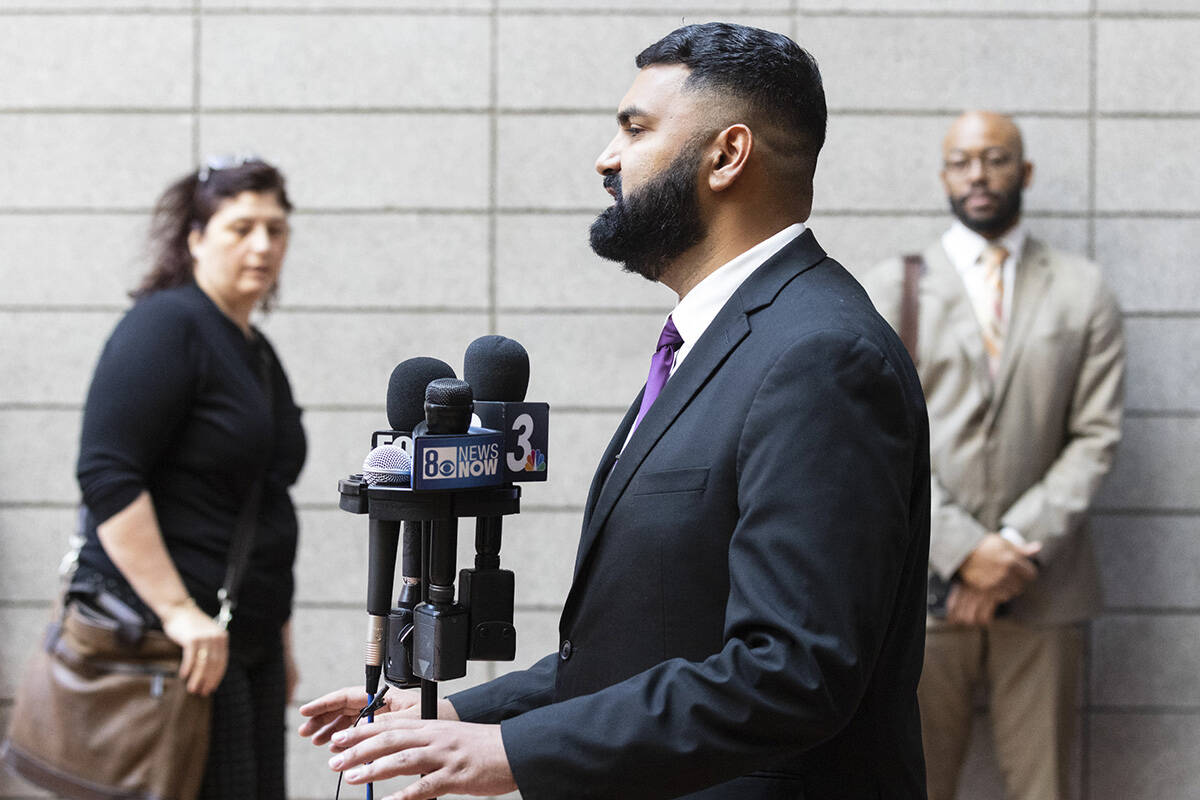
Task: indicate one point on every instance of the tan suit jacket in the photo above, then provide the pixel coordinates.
(1030, 448)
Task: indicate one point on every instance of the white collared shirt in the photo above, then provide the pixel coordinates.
(964, 247)
(696, 311)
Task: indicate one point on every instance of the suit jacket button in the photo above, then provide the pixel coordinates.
(564, 652)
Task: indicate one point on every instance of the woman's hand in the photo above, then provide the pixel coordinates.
(133, 541)
(205, 646)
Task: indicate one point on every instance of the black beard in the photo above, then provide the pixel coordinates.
(1008, 209)
(655, 224)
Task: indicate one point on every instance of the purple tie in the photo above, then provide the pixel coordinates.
(660, 367)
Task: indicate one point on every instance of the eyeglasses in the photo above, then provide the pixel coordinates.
(989, 161)
(216, 163)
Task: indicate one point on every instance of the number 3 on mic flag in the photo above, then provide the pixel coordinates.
(526, 428)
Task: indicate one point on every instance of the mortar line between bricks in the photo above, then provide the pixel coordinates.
(197, 45)
(567, 211)
(493, 266)
(589, 12)
(549, 111)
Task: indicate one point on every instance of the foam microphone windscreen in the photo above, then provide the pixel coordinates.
(497, 369)
(406, 390)
(387, 464)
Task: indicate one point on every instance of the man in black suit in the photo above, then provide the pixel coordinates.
(747, 614)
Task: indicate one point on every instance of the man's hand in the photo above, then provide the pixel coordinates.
(966, 605)
(337, 710)
(451, 757)
(1000, 568)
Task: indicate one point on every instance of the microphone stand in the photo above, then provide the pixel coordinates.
(436, 646)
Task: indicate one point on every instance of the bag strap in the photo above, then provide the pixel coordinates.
(910, 302)
(244, 527)
(239, 553)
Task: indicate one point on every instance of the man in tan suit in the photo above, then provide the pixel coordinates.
(1021, 356)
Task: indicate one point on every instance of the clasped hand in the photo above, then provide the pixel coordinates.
(451, 756)
(995, 572)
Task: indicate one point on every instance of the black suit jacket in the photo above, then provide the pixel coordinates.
(748, 607)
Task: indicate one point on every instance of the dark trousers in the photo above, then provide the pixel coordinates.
(246, 751)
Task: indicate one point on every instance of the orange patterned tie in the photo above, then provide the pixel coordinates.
(991, 308)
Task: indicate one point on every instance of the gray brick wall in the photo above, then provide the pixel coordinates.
(440, 155)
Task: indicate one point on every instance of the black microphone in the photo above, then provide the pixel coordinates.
(405, 409)
(498, 370)
(440, 632)
(448, 406)
(406, 395)
(384, 465)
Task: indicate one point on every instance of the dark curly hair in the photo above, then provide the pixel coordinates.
(188, 204)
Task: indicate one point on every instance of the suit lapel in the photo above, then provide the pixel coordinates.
(945, 286)
(609, 458)
(1031, 283)
(727, 330)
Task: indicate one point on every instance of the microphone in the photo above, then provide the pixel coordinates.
(498, 370)
(432, 468)
(448, 406)
(406, 396)
(387, 464)
(406, 390)
(447, 452)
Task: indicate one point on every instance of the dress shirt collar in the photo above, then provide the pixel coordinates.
(699, 307)
(964, 246)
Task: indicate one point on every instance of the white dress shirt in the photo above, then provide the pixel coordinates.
(964, 247)
(696, 311)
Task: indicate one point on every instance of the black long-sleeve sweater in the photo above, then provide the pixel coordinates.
(176, 407)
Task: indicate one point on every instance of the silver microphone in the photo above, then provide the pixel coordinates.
(387, 464)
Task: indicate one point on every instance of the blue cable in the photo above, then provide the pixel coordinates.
(374, 701)
(370, 718)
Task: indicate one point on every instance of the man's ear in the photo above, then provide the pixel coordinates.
(730, 151)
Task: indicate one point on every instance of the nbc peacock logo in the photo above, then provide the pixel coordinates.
(535, 462)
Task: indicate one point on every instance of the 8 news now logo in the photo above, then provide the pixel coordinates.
(461, 462)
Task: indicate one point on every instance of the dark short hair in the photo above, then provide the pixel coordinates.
(188, 204)
(778, 80)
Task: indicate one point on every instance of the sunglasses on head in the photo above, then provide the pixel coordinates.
(216, 163)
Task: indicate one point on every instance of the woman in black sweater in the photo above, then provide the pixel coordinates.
(188, 408)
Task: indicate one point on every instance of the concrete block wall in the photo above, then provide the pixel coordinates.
(440, 156)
